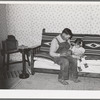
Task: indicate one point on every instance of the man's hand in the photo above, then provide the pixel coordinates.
(63, 54)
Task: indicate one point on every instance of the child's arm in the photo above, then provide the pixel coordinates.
(75, 56)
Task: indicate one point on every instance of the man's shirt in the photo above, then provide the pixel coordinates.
(54, 46)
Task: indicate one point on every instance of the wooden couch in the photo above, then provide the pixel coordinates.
(40, 62)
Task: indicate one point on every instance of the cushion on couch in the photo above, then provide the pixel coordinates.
(94, 65)
(46, 65)
(44, 55)
(43, 60)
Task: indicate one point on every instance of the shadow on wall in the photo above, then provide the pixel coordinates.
(3, 36)
(3, 27)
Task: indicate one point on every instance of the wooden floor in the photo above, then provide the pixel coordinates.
(44, 81)
(8, 83)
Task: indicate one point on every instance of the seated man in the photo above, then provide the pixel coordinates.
(60, 52)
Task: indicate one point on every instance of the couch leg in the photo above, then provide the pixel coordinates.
(33, 72)
(32, 68)
(32, 62)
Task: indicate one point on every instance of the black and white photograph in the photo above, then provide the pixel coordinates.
(48, 45)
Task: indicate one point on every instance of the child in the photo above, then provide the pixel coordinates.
(78, 52)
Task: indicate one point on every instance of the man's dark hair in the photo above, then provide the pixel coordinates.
(67, 31)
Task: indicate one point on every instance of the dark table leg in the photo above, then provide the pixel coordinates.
(32, 62)
(24, 73)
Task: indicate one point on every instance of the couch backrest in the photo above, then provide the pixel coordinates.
(47, 38)
(92, 42)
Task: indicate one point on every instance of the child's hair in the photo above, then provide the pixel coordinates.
(79, 41)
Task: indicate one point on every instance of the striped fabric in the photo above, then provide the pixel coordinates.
(92, 43)
(47, 38)
(75, 37)
(45, 45)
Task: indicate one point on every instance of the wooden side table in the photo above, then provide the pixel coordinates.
(24, 74)
(23, 49)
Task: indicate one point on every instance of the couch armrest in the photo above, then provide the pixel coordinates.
(33, 51)
(36, 49)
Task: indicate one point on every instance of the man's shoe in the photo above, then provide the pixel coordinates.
(63, 82)
(80, 69)
(77, 81)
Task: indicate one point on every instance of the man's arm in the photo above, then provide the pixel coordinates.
(53, 48)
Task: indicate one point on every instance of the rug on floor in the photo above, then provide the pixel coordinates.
(10, 74)
(16, 73)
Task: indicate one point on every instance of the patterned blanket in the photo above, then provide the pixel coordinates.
(92, 44)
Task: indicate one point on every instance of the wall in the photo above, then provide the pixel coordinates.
(3, 27)
(26, 21)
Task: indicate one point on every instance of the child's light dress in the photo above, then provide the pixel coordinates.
(77, 53)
